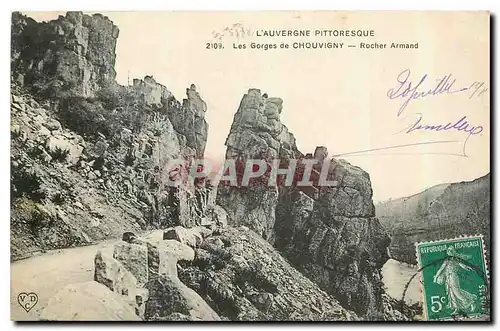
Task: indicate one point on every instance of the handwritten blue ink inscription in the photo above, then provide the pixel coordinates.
(408, 90)
(459, 125)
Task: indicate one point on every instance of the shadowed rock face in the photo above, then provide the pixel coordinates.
(334, 238)
(187, 118)
(256, 133)
(74, 53)
(329, 233)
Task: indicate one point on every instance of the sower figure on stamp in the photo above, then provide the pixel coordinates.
(458, 299)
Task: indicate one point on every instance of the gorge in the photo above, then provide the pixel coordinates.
(88, 159)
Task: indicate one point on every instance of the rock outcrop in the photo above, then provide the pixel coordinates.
(244, 278)
(187, 118)
(329, 233)
(336, 240)
(117, 278)
(440, 212)
(131, 267)
(256, 133)
(74, 53)
(170, 296)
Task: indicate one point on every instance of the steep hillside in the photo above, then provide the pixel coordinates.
(412, 206)
(440, 212)
(88, 156)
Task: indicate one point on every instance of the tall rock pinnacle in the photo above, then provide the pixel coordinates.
(256, 133)
(329, 233)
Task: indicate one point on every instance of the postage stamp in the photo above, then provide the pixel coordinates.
(454, 276)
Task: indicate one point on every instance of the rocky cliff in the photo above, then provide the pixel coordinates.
(74, 54)
(89, 157)
(329, 233)
(440, 212)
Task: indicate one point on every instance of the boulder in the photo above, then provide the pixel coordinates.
(201, 231)
(60, 144)
(172, 251)
(442, 211)
(89, 301)
(183, 235)
(53, 125)
(219, 215)
(135, 258)
(98, 149)
(256, 133)
(168, 296)
(110, 272)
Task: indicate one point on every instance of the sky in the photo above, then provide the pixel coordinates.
(345, 99)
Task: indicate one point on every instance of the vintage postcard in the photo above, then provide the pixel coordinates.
(250, 166)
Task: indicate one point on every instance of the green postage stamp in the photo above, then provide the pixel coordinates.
(454, 278)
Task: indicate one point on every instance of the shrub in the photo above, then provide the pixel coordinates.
(59, 155)
(35, 152)
(88, 116)
(25, 183)
(32, 214)
(84, 116)
(112, 96)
